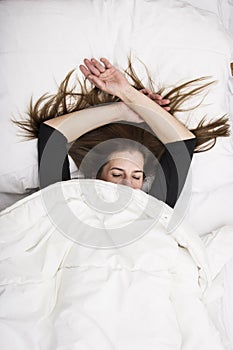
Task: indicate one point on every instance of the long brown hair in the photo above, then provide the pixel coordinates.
(80, 96)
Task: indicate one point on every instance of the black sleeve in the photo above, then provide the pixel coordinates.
(52, 156)
(172, 171)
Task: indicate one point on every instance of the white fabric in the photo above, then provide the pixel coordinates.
(228, 301)
(222, 8)
(42, 40)
(151, 291)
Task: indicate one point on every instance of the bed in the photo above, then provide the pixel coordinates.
(177, 40)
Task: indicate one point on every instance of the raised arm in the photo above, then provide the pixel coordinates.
(56, 132)
(76, 124)
(166, 127)
(73, 125)
(107, 78)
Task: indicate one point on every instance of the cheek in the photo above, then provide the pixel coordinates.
(138, 185)
(115, 180)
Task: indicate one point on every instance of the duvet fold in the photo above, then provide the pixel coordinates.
(86, 262)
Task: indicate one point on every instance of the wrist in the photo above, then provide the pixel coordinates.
(120, 109)
(127, 94)
(116, 111)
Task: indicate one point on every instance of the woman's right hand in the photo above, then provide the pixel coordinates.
(106, 77)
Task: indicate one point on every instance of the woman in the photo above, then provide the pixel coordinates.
(144, 121)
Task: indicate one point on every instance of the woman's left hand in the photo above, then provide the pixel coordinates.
(157, 98)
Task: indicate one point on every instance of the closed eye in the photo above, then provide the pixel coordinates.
(136, 178)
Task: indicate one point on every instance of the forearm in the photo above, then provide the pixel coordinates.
(75, 124)
(166, 127)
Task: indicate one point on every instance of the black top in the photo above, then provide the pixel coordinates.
(170, 175)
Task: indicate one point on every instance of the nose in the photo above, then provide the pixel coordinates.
(126, 182)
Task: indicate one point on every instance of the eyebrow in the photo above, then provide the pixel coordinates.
(135, 171)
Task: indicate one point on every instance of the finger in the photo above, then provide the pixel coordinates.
(84, 70)
(144, 91)
(96, 81)
(157, 96)
(167, 108)
(162, 102)
(159, 102)
(165, 102)
(92, 78)
(106, 62)
(91, 67)
(98, 65)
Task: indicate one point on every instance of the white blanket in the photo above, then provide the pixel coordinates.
(41, 41)
(87, 264)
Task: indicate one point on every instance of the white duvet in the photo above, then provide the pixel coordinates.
(87, 264)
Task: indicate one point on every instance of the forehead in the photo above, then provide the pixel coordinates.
(132, 159)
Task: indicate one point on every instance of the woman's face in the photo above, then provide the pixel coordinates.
(125, 168)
